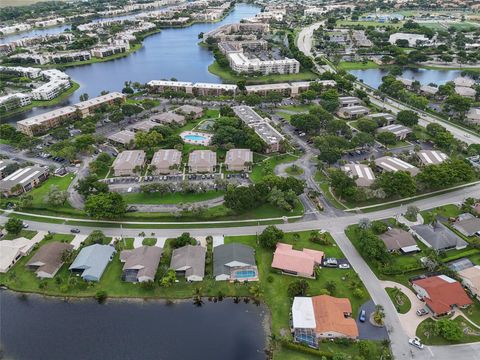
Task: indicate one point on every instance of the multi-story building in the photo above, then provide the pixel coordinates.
(40, 124)
(166, 161)
(23, 180)
(88, 106)
(13, 101)
(129, 162)
(240, 63)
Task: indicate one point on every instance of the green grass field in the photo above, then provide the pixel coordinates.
(348, 65)
(265, 167)
(424, 333)
(400, 300)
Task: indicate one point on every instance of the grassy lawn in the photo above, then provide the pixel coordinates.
(399, 144)
(400, 300)
(149, 241)
(423, 332)
(446, 211)
(284, 115)
(357, 65)
(274, 285)
(297, 108)
(265, 167)
(230, 77)
(23, 233)
(367, 23)
(175, 198)
(324, 185)
(294, 170)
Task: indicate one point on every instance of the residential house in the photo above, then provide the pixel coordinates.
(389, 118)
(49, 259)
(352, 112)
(239, 160)
(473, 115)
(12, 250)
(348, 101)
(189, 261)
(140, 264)
(144, 126)
(392, 164)
(322, 317)
(167, 161)
(467, 225)
(431, 157)
(202, 161)
(295, 262)
(471, 279)
(169, 117)
(194, 112)
(398, 130)
(397, 239)
(123, 137)
(3, 165)
(441, 294)
(92, 261)
(438, 236)
(234, 262)
(362, 174)
(127, 163)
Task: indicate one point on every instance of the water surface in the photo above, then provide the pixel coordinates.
(49, 328)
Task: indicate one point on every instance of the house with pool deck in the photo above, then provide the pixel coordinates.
(234, 262)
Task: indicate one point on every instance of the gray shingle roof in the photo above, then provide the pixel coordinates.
(227, 253)
(144, 260)
(439, 236)
(189, 258)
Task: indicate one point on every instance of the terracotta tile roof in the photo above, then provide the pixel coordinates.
(330, 315)
(443, 293)
(301, 262)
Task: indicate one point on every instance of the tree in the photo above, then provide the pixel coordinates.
(182, 240)
(55, 196)
(298, 288)
(105, 205)
(91, 186)
(169, 278)
(96, 237)
(367, 125)
(412, 212)
(270, 236)
(449, 329)
(343, 185)
(371, 247)
(14, 225)
(399, 183)
(387, 138)
(407, 118)
(379, 314)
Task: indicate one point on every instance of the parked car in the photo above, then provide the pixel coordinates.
(330, 262)
(415, 342)
(25, 226)
(422, 311)
(75, 231)
(419, 297)
(363, 316)
(344, 266)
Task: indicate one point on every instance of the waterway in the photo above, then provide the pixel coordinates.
(49, 328)
(373, 77)
(172, 53)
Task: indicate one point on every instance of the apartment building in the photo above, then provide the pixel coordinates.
(127, 163)
(270, 136)
(13, 101)
(202, 161)
(239, 160)
(88, 107)
(167, 161)
(23, 180)
(240, 63)
(40, 124)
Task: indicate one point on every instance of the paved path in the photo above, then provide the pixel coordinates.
(168, 208)
(39, 236)
(161, 242)
(78, 240)
(409, 320)
(137, 242)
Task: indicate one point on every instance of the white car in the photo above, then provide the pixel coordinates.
(344, 266)
(415, 342)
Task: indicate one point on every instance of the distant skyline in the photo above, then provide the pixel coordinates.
(5, 3)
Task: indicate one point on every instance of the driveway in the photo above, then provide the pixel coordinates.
(410, 320)
(366, 330)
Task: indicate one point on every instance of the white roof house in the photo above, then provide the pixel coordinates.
(473, 115)
(303, 316)
(12, 250)
(391, 164)
(364, 174)
(411, 38)
(432, 157)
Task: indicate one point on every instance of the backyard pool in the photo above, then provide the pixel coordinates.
(245, 274)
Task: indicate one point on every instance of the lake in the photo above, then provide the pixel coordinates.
(170, 53)
(50, 328)
(373, 77)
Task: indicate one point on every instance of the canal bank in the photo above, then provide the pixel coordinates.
(34, 327)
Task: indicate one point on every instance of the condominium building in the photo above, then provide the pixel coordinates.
(167, 161)
(209, 89)
(240, 63)
(169, 117)
(398, 130)
(239, 160)
(392, 164)
(23, 180)
(127, 163)
(29, 72)
(122, 137)
(202, 161)
(362, 174)
(87, 107)
(270, 136)
(13, 101)
(109, 50)
(40, 124)
(51, 89)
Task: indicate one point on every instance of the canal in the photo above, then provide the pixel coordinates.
(37, 328)
(373, 77)
(172, 53)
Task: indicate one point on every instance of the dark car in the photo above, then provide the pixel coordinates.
(362, 316)
(75, 231)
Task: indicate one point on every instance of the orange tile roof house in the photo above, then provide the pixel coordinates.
(441, 294)
(296, 262)
(322, 317)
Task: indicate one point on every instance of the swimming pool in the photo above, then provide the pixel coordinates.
(244, 274)
(195, 137)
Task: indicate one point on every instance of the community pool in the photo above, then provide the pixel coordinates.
(195, 137)
(244, 274)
